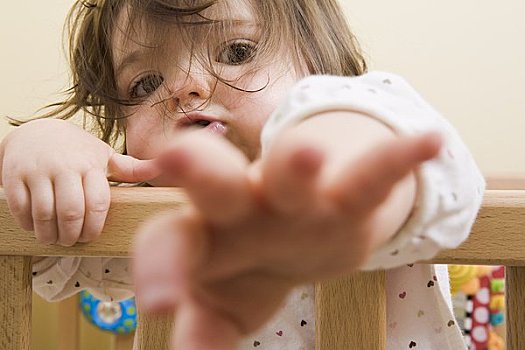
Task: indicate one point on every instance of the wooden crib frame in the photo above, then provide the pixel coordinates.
(350, 312)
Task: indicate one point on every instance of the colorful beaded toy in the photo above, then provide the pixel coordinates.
(119, 317)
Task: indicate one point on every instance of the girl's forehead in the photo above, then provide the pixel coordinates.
(130, 23)
(133, 33)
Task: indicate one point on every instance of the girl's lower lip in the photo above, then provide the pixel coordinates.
(216, 127)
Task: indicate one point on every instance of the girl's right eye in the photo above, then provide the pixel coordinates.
(237, 52)
(145, 86)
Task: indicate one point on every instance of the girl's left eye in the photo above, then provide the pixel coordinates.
(237, 53)
(146, 85)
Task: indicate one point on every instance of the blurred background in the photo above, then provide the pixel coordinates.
(465, 57)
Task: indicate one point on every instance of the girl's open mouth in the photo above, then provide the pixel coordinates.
(204, 121)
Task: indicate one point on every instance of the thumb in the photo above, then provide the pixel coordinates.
(124, 168)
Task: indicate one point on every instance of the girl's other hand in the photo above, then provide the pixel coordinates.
(55, 177)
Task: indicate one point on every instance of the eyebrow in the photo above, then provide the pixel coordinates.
(129, 59)
(137, 55)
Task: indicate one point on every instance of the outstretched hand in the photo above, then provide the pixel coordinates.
(254, 231)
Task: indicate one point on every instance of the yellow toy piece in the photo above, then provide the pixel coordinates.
(460, 275)
(465, 278)
(497, 302)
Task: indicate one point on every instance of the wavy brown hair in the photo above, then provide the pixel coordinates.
(316, 32)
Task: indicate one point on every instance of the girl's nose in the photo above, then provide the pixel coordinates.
(191, 88)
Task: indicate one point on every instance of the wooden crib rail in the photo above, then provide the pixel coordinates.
(129, 207)
(496, 239)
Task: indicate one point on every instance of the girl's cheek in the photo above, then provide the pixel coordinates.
(142, 136)
(137, 144)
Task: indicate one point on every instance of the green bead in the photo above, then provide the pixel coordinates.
(497, 285)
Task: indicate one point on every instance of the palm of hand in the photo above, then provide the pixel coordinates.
(254, 232)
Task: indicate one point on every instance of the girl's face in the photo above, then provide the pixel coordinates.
(183, 83)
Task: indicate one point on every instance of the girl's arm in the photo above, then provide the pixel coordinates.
(346, 137)
(430, 210)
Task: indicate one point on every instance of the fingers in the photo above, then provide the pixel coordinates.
(213, 172)
(97, 201)
(290, 177)
(82, 205)
(42, 166)
(64, 210)
(19, 202)
(201, 328)
(358, 189)
(43, 210)
(69, 205)
(124, 168)
(167, 250)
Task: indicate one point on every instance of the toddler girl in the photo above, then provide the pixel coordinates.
(298, 165)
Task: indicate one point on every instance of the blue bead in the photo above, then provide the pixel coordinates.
(117, 317)
(497, 318)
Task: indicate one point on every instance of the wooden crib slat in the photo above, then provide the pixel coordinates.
(153, 332)
(15, 295)
(351, 312)
(123, 342)
(68, 324)
(515, 303)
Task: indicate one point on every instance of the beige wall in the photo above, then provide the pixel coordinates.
(466, 57)
(32, 69)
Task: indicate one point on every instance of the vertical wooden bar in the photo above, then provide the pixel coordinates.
(515, 308)
(69, 324)
(15, 296)
(123, 342)
(153, 332)
(351, 313)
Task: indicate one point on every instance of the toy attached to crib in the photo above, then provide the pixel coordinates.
(118, 317)
(479, 304)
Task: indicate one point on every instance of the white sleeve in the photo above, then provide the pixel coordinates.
(57, 278)
(449, 187)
